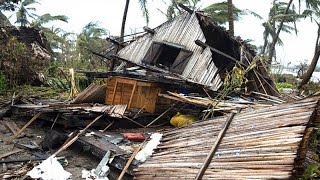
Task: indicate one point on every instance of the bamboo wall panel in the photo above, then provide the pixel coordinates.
(260, 144)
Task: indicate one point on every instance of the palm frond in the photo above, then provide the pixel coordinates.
(144, 9)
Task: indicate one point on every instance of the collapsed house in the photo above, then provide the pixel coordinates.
(175, 67)
(184, 55)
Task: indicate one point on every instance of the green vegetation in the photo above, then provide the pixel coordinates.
(312, 170)
(282, 85)
(40, 92)
(15, 58)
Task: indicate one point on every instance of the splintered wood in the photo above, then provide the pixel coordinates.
(261, 144)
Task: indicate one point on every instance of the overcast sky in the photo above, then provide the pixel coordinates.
(109, 13)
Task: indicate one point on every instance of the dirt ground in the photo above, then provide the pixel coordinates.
(75, 160)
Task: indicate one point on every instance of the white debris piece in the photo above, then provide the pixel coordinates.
(90, 134)
(148, 149)
(49, 169)
(90, 175)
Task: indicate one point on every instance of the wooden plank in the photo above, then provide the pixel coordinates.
(69, 143)
(24, 127)
(131, 97)
(214, 147)
(10, 153)
(114, 92)
(130, 161)
(13, 127)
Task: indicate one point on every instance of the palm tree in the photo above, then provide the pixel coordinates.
(24, 12)
(53, 35)
(230, 17)
(314, 13)
(309, 4)
(124, 19)
(272, 25)
(40, 21)
(92, 36)
(218, 12)
(144, 9)
(174, 10)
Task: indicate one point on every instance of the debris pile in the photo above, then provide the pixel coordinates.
(231, 121)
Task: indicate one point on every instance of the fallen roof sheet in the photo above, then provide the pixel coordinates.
(259, 144)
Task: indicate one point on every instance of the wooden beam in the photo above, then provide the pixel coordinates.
(149, 30)
(69, 143)
(214, 147)
(204, 45)
(132, 94)
(130, 161)
(115, 42)
(114, 92)
(185, 8)
(24, 127)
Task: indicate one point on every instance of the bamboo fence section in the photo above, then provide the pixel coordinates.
(259, 144)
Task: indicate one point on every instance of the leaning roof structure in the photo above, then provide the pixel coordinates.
(191, 47)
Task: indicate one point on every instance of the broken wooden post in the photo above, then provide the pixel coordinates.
(130, 161)
(156, 119)
(66, 145)
(185, 8)
(149, 30)
(24, 127)
(214, 147)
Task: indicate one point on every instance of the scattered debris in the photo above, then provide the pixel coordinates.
(49, 169)
(148, 149)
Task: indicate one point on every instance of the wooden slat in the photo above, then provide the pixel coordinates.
(259, 144)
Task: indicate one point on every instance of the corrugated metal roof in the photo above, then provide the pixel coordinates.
(183, 30)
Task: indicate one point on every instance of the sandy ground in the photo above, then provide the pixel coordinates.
(74, 163)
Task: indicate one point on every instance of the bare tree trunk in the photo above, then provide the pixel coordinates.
(306, 77)
(124, 18)
(275, 39)
(230, 17)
